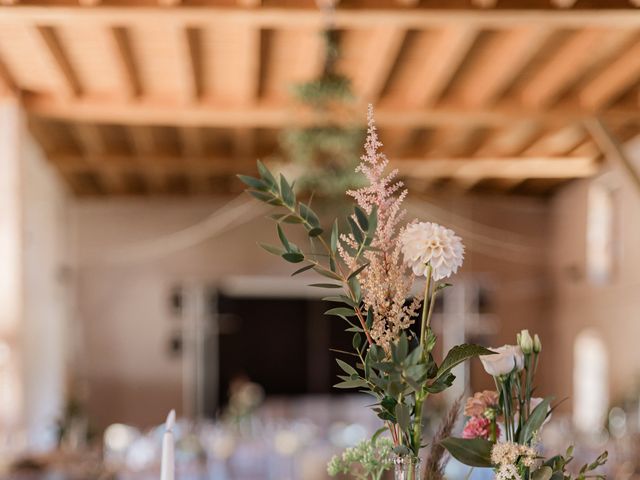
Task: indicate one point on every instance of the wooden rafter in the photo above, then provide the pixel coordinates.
(565, 65)
(126, 62)
(442, 59)
(188, 41)
(383, 53)
(488, 78)
(59, 63)
(621, 74)
(209, 114)
(516, 168)
(343, 18)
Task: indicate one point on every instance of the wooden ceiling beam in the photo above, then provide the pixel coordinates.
(380, 60)
(60, 66)
(306, 18)
(191, 68)
(125, 59)
(498, 64)
(249, 74)
(620, 75)
(447, 51)
(566, 64)
(153, 112)
(463, 168)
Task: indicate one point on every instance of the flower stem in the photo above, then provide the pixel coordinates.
(425, 308)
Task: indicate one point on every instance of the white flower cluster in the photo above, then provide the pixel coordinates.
(506, 457)
(427, 244)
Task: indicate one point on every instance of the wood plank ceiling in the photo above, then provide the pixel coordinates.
(131, 97)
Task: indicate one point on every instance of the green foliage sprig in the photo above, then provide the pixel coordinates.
(368, 460)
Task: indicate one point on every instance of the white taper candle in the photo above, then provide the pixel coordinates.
(168, 466)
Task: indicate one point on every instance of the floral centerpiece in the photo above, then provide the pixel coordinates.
(372, 263)
(502, 430)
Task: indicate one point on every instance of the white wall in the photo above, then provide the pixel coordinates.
(34, 300)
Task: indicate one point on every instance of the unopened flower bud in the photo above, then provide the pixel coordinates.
(525, 341)
(537, 344)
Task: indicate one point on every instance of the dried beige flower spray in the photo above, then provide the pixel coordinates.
(385, 282)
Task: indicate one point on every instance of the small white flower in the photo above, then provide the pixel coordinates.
(504, 361)
(427, 243)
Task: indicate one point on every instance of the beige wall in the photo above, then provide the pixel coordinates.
(612, 310)
(122, 298)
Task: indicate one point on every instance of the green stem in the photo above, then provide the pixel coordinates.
(425, 307)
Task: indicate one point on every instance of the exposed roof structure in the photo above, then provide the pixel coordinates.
(132, 96)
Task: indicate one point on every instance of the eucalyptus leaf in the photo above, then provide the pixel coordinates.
(266, 174)
(287, 192)
(325, 285)
(293, 257)
(357, 271)
(348, 369)
(254, 183)
(535, 421)
(542, 473)
(303, 269)
(334, 237)
(272, 249)
(327, 273)
(459, 354)
(474, 452)
(341, 312)
(315, 232)
(283, 238)
(355, 230)
(361, 216)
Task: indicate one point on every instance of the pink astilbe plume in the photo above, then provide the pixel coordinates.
(386, 283)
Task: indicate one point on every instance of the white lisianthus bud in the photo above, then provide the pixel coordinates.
(525, 341)
(537, 344)
(506, 359)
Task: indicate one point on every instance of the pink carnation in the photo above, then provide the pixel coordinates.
(478, 427)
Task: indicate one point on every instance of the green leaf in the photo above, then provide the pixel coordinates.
(542, 473)
(348, 369)
(254, 183)
(369, 322)
(272, 249)
(286, 218)
(287, 192)
(263, 196)
(327, 273)
(341, 312)
(266, 174)
(359, 383)
(315, 232)
(293, 257)
(357, 233)
(535, 421)
(459, 354)
(357, 341)
(357, 271)
(363, 221)
(373, 221)
(403, 416)
(303, 269)
(474, 452)
(334, 237)
(354, 283)
(325, 285)
(283, 238)
(309, 215)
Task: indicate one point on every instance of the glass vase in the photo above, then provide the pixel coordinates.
(406, 467)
